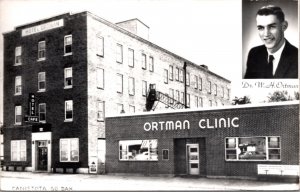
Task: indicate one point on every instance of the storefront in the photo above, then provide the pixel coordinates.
(238, 142)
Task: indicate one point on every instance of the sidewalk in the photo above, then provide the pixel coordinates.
(28, 181)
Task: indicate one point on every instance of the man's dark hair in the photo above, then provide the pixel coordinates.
(272, 10)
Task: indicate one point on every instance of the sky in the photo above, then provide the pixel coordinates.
(203, 31)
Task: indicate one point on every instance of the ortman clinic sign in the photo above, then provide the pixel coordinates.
(184, 125)
(43, 27)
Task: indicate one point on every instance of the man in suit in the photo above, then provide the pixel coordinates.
(277, 58)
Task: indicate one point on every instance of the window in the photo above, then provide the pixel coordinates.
(18, 55)
(120, 108)
(100, 111)
(119, 83)
(165, 76)
(119, 53)
(171, 73)
(181, 75)
(177, 74)
(131, 109)
(188, 81)
(68, 78)
(200, 101)
(144, 88)
(252, 148)
(18, 115)
(216, 89)
(100, 46)
(131, 87)
(144, 61)
(18, 150)
(130, 57)
(195, 81)
(171, 95)
(138, 150)
(18, 85)
(165, 154)
(196, 102)
(177, 95)
(210, 103)
(209, 88)
(69, 110)
(69, 150)
(200, 83)
(42, 112)
(216, 102)
(100, 78)
(42, 50)
(188, 99)
(151, 64)
(223, 92)
(41, 81)
(228, 94)
(182, 98)
(68, 45)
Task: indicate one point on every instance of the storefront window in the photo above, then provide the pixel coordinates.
(138, 150)
(69, 150)
(252, 148)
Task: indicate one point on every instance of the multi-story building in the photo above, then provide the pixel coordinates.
(62, 75)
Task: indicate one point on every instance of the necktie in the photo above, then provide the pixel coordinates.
(270, 67)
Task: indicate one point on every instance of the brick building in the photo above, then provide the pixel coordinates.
(237, 142)
(64, 74)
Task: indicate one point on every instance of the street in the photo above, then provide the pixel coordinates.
(28, 181)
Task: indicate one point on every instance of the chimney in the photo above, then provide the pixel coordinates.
(136, 27)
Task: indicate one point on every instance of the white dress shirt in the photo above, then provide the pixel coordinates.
(277, 56)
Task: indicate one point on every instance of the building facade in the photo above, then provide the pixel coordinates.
(64, 74)
(237, 142)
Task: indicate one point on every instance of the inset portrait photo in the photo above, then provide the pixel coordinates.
(270, 39)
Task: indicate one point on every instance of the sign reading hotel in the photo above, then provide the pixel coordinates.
(185, 125)
(43, 27)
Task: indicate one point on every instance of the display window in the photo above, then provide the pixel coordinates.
(252, 148)
(138, 150)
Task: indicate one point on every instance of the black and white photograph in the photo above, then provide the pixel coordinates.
(148, 95)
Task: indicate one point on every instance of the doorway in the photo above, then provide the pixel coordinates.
(42, 155)
(193, 159)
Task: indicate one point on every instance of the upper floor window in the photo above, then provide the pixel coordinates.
(181, 75)
(131, 86)
(68, 78)
(69, 110)
(99, 46)
(228, 94)
(42, 112)
(177, 74)
(18, 150)
(171, 73)
(42, 50)
(119, 53)
(216, 89)
(144, 88)
(171, 95)
(131, 109)
(188, 79)
(18, 115)
(69, 150)
(196, 102)
(200, 83)
(130, 57)
(120, 108)
(177, 95)
(144, 61)
(18, 85)
(200, 102)
(119, 83)
(165, 76)
(151, 64)
(182, 97)
(100, 78)
(188, 99)
(209, 87)
(41, 81)
(18, 55)
(100, 111)
(210, 103)
(196, 82)
(68, 45)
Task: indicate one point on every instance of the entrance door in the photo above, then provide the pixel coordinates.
(193, 158)
(42, 156)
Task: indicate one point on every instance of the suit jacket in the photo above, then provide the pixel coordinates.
(258, 60)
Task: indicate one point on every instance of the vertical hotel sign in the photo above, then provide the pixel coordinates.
(43, 27)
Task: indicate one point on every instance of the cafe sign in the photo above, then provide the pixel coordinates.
(42, 27)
